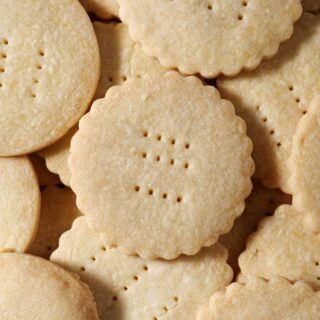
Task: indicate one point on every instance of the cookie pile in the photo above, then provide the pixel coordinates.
(159, 159)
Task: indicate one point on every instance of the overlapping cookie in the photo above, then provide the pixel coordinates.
(58, 210)
(210, 37)
(262, 202)
(273, 98)
(283, 246)
(49, 70)
(33, 288)
(128, 287)
(45, 177)
(305, 166)
(263, 300)
(19, 204)
(150, 171)
(121, 59)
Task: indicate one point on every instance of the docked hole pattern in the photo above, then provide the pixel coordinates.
(296, 98)
(264, 120)
(37, 72)
(172, 144)
(4, 43)
(136, 277)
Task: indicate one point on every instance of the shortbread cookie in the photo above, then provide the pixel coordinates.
(129, 288)
(210, 37)
(33, 288)
(146, 161)
(262, 202)
(273, 98)
(305, 165)
(311, 5)
(56, 156)
(283, 246)
(58, 210)
(277, 299)
(104, 9)
(49, 70)
(19, 204)
(45, 177)
(121, 59)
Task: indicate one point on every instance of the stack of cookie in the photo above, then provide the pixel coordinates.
(159, 159)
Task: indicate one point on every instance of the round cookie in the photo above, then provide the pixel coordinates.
(273, 98)
(311, 5)
(19, 204)
(45, 177)
(304, 164)
(261, 202)
(33, 288)
(121, 59)
(283, 246)
(104, 9)
(49, 70)
(264, 300)
(127, 287)
(58, 210)
(145, 162)
(210, 37)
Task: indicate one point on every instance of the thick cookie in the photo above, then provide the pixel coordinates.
(128, 287)
(19, 203)
(277, 299)
(146, 161)
(33, 288)
(49, 70)
(210, 37)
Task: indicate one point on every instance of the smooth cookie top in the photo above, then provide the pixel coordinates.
(276, 299)
(283, 246)
(153, 173)
(19, 203)
(210, 37)
(49, 70)
(305, 165)
(34, 288)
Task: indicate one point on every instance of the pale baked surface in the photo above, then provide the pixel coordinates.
(56, 156)
(127, 287)
(33, 288)
(283, 246)
(273, 98)
(49, 70)
(155, 171)
(311, 5)
(19, 203)
(121, 59)
(276, 299)
(58, 210)
(104, 9)
(210, 37)
(305, 165)
(45, 177)
(262, 202)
